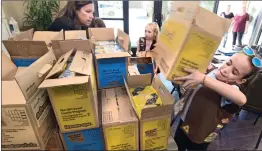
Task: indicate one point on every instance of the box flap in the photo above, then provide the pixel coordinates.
(207, 20)
(9, 69)
(126, 111)
(64, 81)
(141, 60)
(20, 69)
(11, 93)
(184, 11)
(109, 106)
(62, 47)
(167, 98)
(153, 112)
(26, 35)
(82, 63)
(133, 70)
(59, 66)
(139, 80)
(26, 48)
(46, 36)
(29, 79)
(75, 34)
(59, 36)
(124, 43)
(101, 34)
(112, 55)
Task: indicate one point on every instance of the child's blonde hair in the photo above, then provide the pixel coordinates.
(155, 30)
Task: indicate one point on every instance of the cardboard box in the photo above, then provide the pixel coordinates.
(154, 122)
(26, 48)
(25, 81)
(55, 141)
(75, 34)
(111, 67)
(73, 98)
(120, 124)
(27, 118)
(89, 139)
(189, 38)
(144, 65)
(133, 70)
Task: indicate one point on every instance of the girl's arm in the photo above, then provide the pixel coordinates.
(224, 89)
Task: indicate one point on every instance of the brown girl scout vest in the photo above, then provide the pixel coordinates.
(205, 117)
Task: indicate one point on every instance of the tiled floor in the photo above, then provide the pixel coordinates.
(239, 134)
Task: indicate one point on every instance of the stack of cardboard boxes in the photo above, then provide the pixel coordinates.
(27, 117)
(65, 70)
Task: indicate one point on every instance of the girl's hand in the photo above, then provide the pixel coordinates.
(194, 78)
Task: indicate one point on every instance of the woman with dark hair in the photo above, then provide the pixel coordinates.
(76, 15)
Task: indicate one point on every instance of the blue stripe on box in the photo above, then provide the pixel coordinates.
(90, 139)
(111, 72)
(24, 62)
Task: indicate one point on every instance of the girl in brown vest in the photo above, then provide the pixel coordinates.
(214, 101)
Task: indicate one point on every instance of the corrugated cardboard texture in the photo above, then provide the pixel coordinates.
(75, 34)
(101, 34)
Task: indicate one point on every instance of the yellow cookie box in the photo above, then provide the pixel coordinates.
(142, 98)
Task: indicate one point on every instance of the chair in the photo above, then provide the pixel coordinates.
(252, 89)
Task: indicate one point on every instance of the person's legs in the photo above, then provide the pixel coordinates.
(181, 138)
(234, 39)
(239, 38)
(194, 146)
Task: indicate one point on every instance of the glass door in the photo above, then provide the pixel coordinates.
(112, 13)
(140, 14)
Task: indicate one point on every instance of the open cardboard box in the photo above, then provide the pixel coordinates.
(27, 119)
(188, 39)
(143, 65)
(110, 67)
(119, 120)
(154, 121)
(74, 99)
(27, 47)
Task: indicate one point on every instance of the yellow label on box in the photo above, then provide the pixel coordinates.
(73, 107)
(155, 134)
(121, 137)
(172, 35)
(196, 54)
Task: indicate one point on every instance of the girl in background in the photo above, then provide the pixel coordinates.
(148, 42)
